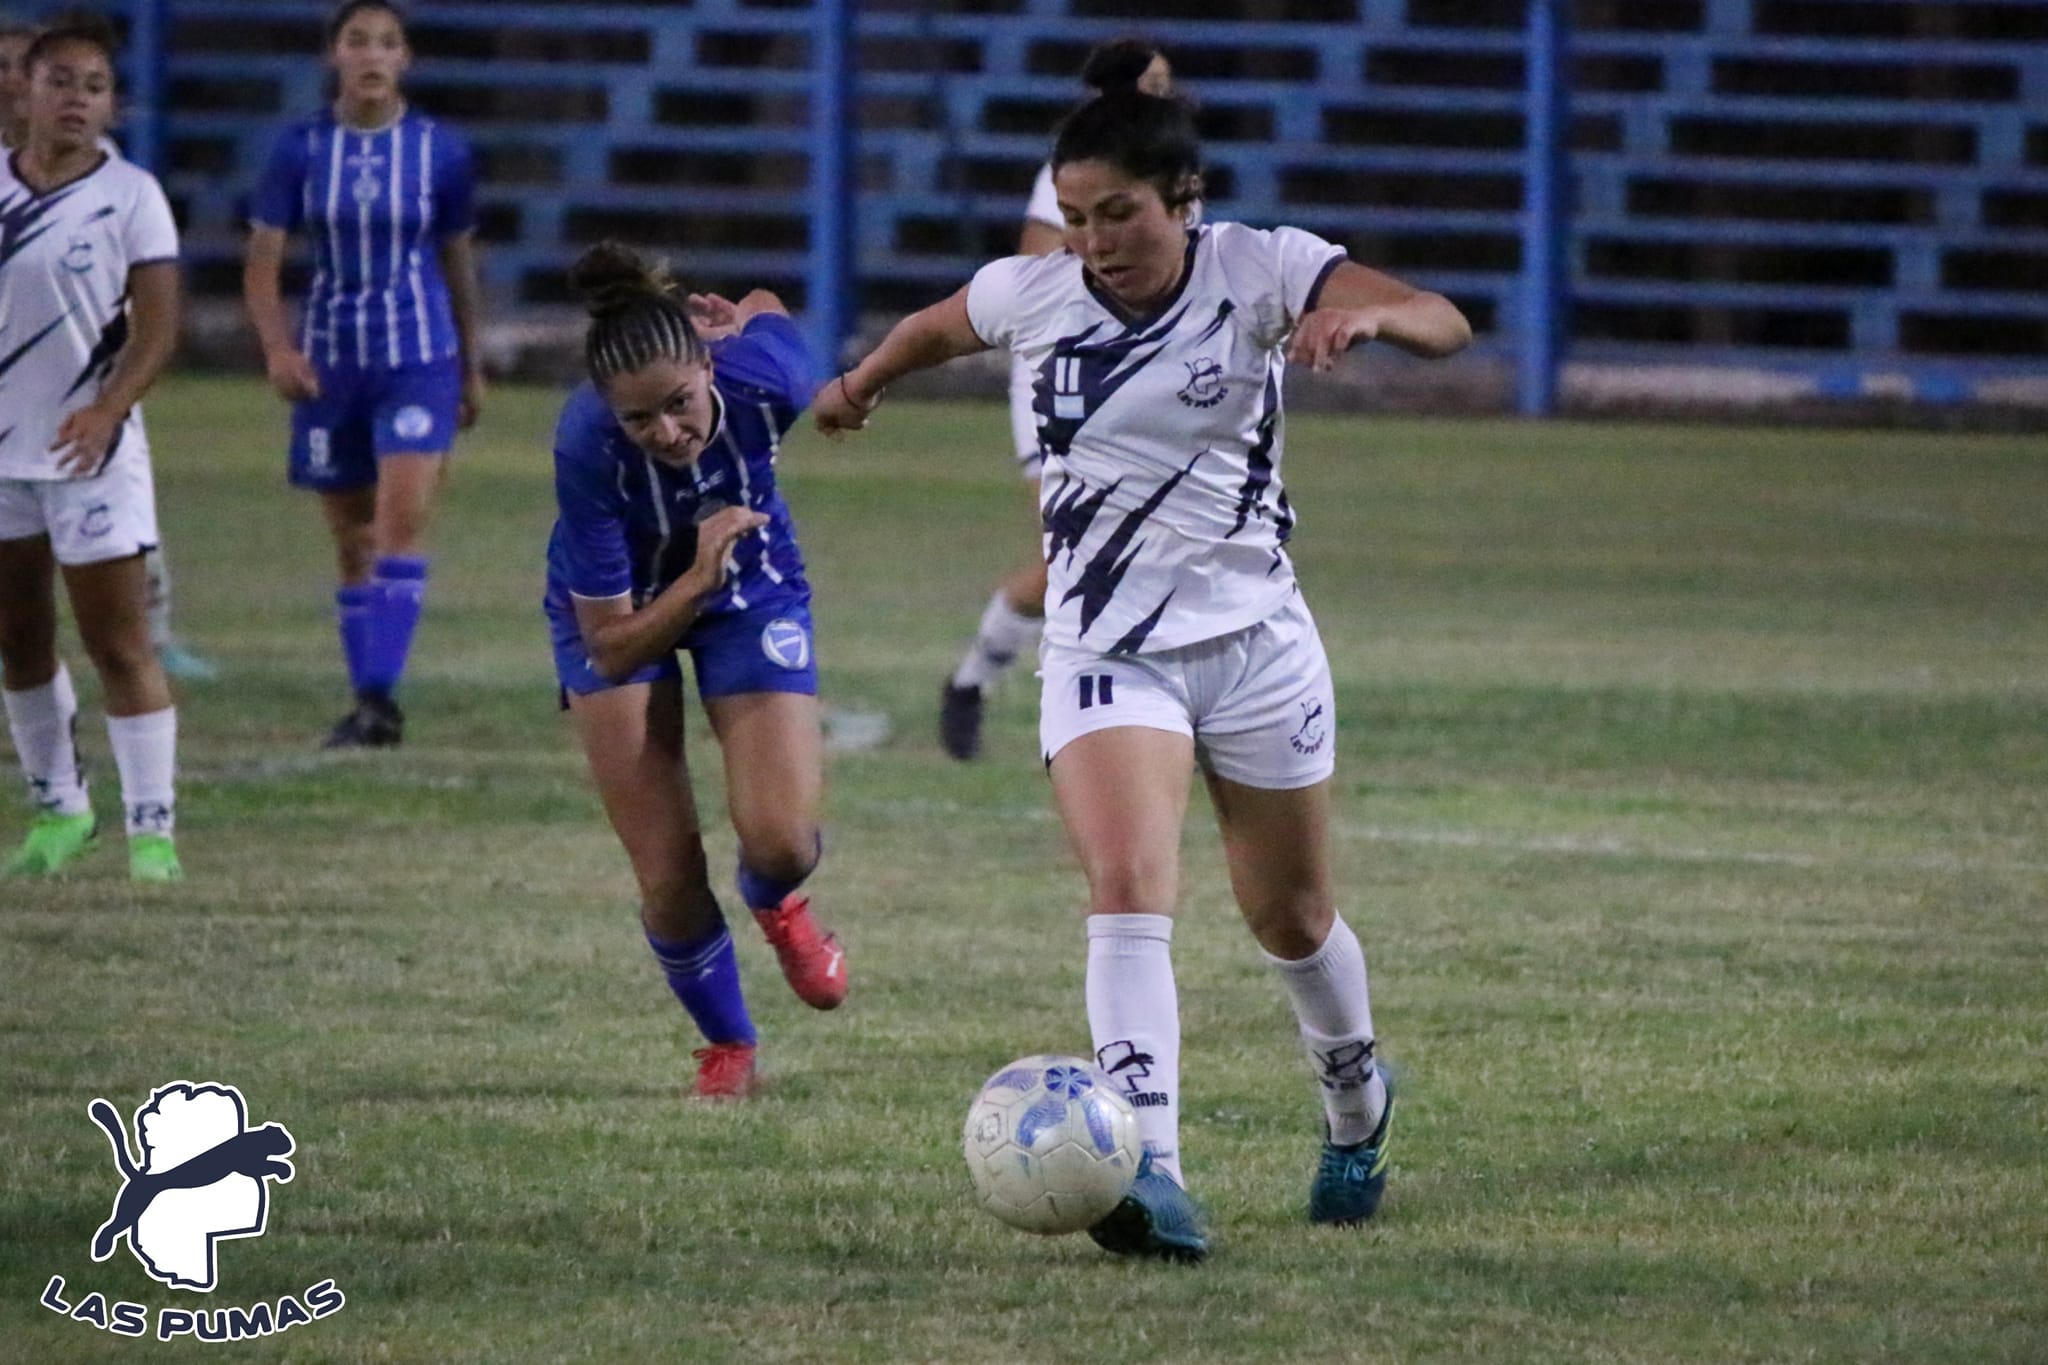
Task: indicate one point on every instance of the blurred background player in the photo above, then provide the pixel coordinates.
(671, 535)
(384, 368)
(1010, 622)
(1176, 634)
(178, 661)
(88, 319)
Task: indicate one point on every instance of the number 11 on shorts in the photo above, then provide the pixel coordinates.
(1093, 686)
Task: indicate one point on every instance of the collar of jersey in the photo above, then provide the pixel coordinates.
(1130, 319)
(379, 130)
(14, 169)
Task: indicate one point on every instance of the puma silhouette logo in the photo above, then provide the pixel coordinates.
(256, 1152)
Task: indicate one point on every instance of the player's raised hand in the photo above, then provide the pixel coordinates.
(292, 375)
(89, 432)
(716, 535)
(1320, 337)
(713, 315)
(837, 409)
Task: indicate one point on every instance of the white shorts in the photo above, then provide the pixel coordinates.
(1024, 422)
(109, 516)
(1257, 702)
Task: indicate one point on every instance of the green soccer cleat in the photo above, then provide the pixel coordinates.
(153, 858)
(1350, 1181)
(53, 841)
(1156, 1219)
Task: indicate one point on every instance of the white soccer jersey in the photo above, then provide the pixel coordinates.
(1164, 512)
(64, 263)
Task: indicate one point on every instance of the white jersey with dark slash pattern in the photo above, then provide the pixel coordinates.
(1164, 512)
(64, 262)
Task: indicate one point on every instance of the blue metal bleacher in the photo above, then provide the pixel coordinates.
(1812, 181)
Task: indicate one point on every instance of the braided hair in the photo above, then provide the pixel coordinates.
(636, 316)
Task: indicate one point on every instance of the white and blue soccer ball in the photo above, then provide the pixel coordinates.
(1052, 1144)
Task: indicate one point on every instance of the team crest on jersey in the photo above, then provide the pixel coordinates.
(412, 422)
(1205, 387)
(78, 259)
(786, 643)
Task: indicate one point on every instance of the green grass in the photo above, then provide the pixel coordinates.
(1693, 807)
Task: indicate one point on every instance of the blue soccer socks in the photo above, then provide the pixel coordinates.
(396, 592)
(704, 973)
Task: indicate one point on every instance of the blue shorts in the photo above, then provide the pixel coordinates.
(361, 415)
(761, 649)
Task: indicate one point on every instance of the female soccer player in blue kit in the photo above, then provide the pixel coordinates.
(384, 367)
(672, 536)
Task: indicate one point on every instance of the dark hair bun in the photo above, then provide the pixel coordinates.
(77, 26)
(611, 277)
(1118, 63)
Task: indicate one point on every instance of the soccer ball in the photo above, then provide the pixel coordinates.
(1051, 1144)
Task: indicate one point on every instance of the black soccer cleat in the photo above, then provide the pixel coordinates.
(375, 723)
(960, 721)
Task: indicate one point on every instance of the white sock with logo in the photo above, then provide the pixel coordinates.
(146, 752)
(44, 723)
(1004, 634)
(1334, 1008)
(1134, 1015)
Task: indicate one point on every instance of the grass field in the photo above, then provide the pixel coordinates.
(1693, 807)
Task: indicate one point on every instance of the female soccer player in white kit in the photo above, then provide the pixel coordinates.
(1010, 622)
(1175, 633)
(88, 318)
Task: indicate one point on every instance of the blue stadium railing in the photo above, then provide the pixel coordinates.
(1827, 184)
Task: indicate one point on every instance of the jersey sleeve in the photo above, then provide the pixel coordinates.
(1278, 273)
(151, 233)
(1044, 206)
(593, 516)
(994, 299)
(454, 186)
(769, 354)
(1302, 261)
(279, 198)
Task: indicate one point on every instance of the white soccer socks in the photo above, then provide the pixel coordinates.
(43, 721)
(146, 753)
(1134, 1015)
(1334, 1008)
(1004, 634)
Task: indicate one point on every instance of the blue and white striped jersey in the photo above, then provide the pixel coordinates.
(375, 207)
(628, 522)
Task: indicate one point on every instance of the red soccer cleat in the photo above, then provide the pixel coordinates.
(725, 1071)
(813, 963)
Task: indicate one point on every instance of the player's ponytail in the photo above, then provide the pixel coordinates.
(1144, 136)
(636, 316)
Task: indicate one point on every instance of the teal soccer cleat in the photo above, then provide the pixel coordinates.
(1156, 1219)
(1350, 1181)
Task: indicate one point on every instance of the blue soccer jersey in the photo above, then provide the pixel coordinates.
(627, 522)
(375, 207)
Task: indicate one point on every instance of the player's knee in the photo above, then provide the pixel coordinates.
(1290, 922)
(785, 853)
(28, 651)
(1131, 887)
